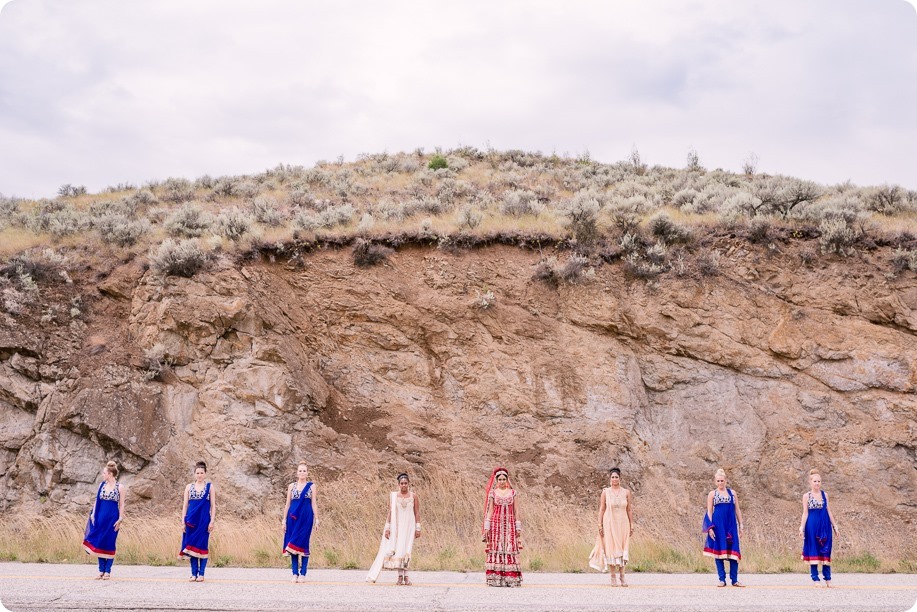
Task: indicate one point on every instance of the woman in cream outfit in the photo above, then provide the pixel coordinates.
(401, 529)
(616, 524)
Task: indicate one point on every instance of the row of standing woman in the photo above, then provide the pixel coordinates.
(501, 529)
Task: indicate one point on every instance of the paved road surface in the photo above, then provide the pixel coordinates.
(71, 587)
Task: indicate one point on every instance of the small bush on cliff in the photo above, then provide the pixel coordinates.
(233, 224)
(576, 269)
(469, 217)
(662, 227)
(519, 202)
(367, 254)
(119, 230)
(581, 217)
(904, 259)
(546, 272)
(266, 210)
(709, 263)
(573, 271)
(189, 221)
(173, 258)
(485, 300)
(155, 361)
(837, 237)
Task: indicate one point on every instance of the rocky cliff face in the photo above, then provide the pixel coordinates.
(767, 369)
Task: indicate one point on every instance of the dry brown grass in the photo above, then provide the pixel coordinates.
(16, 240)
(557, 536)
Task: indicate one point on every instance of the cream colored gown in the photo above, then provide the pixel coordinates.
(612, 550)
(395, 551)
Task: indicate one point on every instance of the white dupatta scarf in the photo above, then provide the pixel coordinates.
(386, 546)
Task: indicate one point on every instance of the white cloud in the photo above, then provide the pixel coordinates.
(100, 92)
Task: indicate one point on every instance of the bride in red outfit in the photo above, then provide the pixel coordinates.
(502, 531)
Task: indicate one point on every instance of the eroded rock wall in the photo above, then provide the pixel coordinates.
(767, 369)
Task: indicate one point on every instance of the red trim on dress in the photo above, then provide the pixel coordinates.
(722, 554)
(824, 560)
(92, 550)
(292, 549)
(191, 551)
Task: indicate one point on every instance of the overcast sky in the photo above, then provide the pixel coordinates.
(101, 92)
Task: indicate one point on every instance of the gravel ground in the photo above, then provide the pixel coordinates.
(71, 587)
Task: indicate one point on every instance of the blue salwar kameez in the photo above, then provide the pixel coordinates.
(100, 536)
(195, 541)
(723, 540)
(818, 537)
(300, 520)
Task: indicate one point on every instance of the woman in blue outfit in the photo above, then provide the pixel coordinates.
(816, 529)
(300, 516)
(198, 510)
(723, 525)
(105, 521)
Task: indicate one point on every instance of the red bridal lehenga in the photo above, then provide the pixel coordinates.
(503, 542)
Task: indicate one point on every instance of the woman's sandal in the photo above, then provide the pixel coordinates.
(106, 576)
(99, 577)
(200, 578)
(193, 578)
(407, 581)
(400, 580)
(623, 582)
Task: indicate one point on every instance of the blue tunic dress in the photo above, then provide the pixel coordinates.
(195, 541)
(725, 541)
(817, 541)
(100, 536)
(299, 522)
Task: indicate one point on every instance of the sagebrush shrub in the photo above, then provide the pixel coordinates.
(575, 269)
(663, 227)
(266, 210)
(177, 190)
(233, 224)
(692, 163)
(629, 242)
(709, 263)
(759, 230)
(517, 203)
(366, 224)
(177, 258)
(58, 221)
(330, 217)
(71, 191)
(469, 217)
(845, 206)
(626, 214)
(396, 211)
(366, 253)
(121, 230)
(189, 221)
(837, 237)
(740, 204)
(300, 195)
(546, 272)
(9, 211)
(887, 199)
(640, 267)
(581, 214)
(430, 205)
(684, 197)
(904, 259)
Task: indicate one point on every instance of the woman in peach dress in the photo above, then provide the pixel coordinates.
(616, 525)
